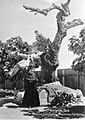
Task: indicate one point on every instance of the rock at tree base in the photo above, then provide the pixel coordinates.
(59, 95)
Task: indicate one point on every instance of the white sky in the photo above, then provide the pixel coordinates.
(16, 21)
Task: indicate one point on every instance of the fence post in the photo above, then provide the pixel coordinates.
(63, 78)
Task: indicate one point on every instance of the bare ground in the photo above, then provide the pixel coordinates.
(12, 111)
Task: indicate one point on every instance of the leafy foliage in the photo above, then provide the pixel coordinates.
(12, 51)
(41, 42)
(16, 43)
(77, 46)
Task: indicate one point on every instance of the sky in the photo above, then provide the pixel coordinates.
(16, 21)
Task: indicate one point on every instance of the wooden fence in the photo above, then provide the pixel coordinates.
(67, 77)
(72, 79)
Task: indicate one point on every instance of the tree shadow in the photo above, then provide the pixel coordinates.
(12, 106)
(52, 113)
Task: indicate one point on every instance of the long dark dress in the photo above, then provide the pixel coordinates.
(31, 97)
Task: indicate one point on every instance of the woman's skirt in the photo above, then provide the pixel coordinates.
(31, 96)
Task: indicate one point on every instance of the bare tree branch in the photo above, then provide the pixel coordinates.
(73, 23)
(36, 10)
(52, 7)
(64, 9)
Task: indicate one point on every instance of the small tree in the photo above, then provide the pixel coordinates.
(12, 51)
(77, 46)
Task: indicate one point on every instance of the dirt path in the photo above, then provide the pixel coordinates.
(11, 111)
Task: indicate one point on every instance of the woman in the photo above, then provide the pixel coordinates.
(31, 97)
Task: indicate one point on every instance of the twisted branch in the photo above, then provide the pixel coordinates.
(36, 10)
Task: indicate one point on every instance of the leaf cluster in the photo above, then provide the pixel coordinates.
(41, 42)
(77, 45)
